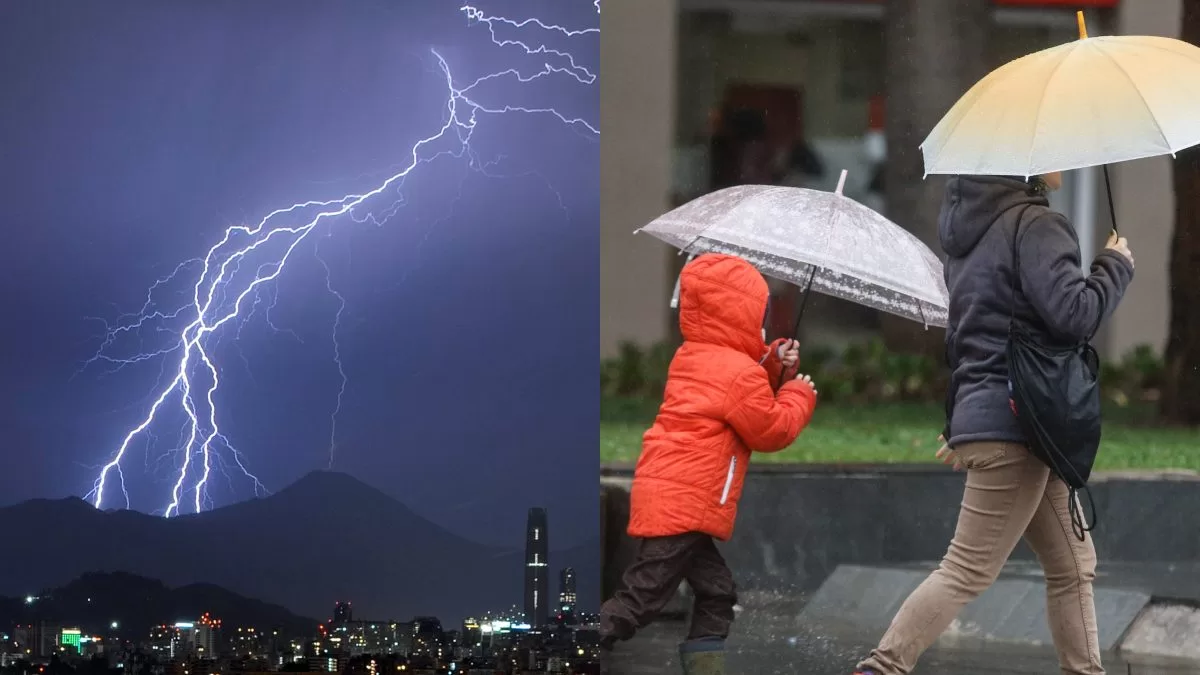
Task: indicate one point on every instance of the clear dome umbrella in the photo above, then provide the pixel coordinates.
(817, 240)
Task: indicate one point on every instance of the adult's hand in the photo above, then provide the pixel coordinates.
(1120, 245)
(948, 456)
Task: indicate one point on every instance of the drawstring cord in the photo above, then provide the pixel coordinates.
(1079, 525)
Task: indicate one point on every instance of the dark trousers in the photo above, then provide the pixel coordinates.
(661, 564)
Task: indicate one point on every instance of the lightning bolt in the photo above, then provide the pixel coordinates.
(229, 288)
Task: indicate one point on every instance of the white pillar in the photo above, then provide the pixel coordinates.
(638, 51)
(1145, 201)
(1084, 213)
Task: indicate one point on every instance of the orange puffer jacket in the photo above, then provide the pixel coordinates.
(719, 405)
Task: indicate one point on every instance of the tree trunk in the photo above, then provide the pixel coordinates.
(1181, 389)
(935, 50)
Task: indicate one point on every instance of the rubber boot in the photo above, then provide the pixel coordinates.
(705, 656)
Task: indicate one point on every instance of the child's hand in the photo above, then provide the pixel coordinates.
(808, 380)
(789, 353)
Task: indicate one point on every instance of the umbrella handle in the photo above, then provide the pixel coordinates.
(799, 315)
(1112, 211)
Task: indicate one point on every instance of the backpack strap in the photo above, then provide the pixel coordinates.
(1014, 282)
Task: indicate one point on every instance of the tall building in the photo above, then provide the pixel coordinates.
(566, 589)
(207, 636)
(537, 582)
(428, 638)
(405, 632)
(184, 643)
(163, 640)
(472, 637)
(70, 638)
(42, 638)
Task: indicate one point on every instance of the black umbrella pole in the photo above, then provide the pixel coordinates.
(799, 316)
(1112, 210)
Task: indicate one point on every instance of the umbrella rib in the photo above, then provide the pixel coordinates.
(1182, 55)
(1145, 103)
(1037, 116)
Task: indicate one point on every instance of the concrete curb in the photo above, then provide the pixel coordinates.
(797, 524)
(625, 470)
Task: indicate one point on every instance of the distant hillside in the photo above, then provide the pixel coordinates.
(325, 538)
(135, 603)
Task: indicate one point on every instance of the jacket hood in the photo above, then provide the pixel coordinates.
(973, 203)
(723, 301)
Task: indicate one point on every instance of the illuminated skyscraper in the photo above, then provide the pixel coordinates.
(566, 589)
(537, 581)
(184, 643)
(206, 636)
(70, 638)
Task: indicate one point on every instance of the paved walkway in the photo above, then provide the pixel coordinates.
(769, 640)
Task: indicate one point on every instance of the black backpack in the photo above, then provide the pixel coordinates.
(1055, 394)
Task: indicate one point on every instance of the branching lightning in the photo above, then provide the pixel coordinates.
(224, 295)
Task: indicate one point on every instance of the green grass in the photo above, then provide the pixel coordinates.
(906, 433)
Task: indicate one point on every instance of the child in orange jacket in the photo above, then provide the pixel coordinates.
(720, 405)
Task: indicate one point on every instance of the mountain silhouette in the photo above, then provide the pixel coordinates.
(327, 537)
(96, 600)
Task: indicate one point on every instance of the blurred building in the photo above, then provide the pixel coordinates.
(324, 664)
(347, 636)
(342, 613)
(566, 589)
(673, 69)
(208, 637)
(429, 640)
(38, 639)
(472, 637)
(184, 643)
(71, 638)
(537, 581)
(405, 632)
(250, 643)
(163, 641)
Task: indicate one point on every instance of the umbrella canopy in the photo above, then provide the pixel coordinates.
(1094, 101)
(814, 239)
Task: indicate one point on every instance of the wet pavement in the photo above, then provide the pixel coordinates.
(768, 638)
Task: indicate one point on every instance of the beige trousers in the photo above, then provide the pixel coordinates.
(1009, 494)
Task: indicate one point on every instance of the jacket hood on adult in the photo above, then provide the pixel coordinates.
(974, 203)
(722, 301)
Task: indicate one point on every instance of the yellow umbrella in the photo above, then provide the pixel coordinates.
(1090, 102)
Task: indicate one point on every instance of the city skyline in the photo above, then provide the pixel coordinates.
(207, 641)
(452, 577)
